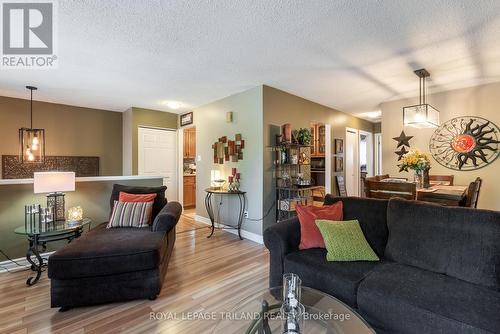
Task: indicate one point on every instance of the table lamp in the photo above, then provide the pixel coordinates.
(54, 184)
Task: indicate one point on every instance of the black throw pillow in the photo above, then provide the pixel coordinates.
(158, 204)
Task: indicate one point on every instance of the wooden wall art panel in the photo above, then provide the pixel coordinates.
(13, 168)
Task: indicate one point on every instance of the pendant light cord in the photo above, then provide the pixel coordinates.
(31, 109)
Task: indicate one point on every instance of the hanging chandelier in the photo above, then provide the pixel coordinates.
(31, 141)
(422, 115)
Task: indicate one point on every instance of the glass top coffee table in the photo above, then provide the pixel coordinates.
(324, 314)
(39, 235)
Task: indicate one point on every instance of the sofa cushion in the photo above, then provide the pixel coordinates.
(159, 201)
(345, 241)
(402, 299)
(371, 214)
(459, 242)
(339, 279)
(310, 236)
(104, 251)
(131, 214)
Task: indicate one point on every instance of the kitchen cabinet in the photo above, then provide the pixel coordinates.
(190, 143)
(318, 133)
(189, 191)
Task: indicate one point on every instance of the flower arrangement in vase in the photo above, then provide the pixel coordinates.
(420, 163)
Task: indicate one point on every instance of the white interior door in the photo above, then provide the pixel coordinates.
(157, 155)
(352, 162)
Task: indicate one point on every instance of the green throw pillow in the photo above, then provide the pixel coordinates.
(345, 241)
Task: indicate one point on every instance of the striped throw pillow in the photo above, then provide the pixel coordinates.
(126, 214)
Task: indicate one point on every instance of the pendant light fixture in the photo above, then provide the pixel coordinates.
(31, 141)
(422, 115)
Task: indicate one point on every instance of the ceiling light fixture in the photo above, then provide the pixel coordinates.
(173, 104)
(422, 115)
(31, 141)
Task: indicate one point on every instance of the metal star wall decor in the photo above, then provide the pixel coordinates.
(401, 152)
(403, 140)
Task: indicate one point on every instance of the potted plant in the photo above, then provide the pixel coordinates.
(304, 136)
(420, 163)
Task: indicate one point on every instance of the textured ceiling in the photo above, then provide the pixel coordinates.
(351, 55)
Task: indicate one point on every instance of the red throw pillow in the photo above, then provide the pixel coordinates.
(134, 198)
(310, 236)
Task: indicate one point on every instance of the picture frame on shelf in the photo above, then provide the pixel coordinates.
(339, 164)
(186, 119)
(339, 146)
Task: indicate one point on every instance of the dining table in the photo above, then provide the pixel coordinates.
(443, 194)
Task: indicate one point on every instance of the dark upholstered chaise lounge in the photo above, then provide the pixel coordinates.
(117, 264)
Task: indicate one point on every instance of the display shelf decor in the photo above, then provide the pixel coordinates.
(465, 143)
(226, 150)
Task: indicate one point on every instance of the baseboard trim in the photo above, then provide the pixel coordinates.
(245, 234)
(6, 266)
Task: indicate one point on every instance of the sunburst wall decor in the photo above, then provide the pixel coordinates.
(465, 143)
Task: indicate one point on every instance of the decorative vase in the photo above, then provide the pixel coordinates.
(426, 181)
(419, 179)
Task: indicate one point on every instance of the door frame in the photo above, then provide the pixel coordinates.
(377, 153)
(369, 152)
(139, 151)
(355, 162)
(180, 161)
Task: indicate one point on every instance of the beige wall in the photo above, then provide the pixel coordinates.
(148, 118)
(93, 197)
(70, 130)
(281, 107)
(481, 101)
(210, 121)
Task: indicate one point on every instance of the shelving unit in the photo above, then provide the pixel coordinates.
(292, 163)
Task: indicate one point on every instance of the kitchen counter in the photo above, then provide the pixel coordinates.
(186, 174)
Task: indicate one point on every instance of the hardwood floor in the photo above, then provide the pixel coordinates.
(204, 275)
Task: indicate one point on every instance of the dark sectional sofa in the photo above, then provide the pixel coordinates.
(117, 264)
(439, 270)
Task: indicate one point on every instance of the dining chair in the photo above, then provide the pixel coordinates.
(443, 178)
(473, 193)
(373, 178)
(386, 190)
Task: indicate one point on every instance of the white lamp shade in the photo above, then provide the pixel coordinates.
(51, 182)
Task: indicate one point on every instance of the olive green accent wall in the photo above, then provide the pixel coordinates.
(377, 127)
(281, 107)
(151, 118)
(93, 197)
(69, 130)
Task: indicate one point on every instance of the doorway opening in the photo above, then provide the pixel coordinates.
(189, 170)
(352, 167)
(365, 158)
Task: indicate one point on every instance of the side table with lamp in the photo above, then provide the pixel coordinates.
(43, 225)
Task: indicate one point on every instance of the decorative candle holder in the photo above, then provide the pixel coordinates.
(36, 218)
(293, 319)
(75, 214)
(292, 311)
